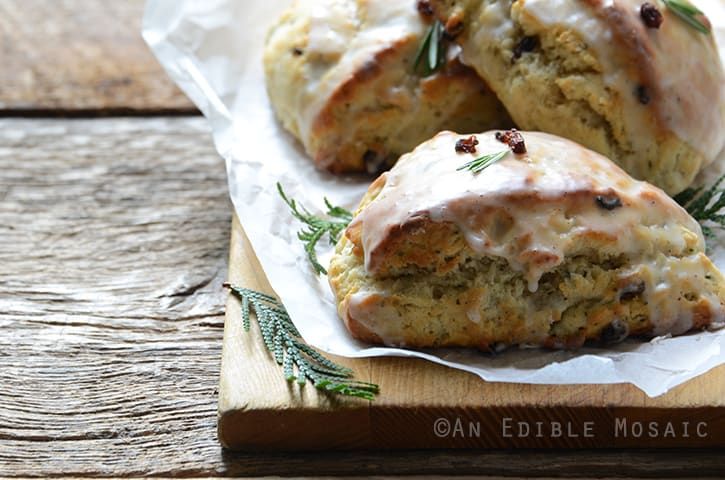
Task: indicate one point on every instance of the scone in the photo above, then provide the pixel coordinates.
(593, 71)
(340, 76)
(554, 247)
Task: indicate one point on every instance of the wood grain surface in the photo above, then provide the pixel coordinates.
(80, 57)
(113, 245)
(113, 242)
(422, 405)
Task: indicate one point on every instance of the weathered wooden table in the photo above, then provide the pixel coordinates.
(114, 234)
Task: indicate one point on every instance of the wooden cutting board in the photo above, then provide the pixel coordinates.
(424, 405)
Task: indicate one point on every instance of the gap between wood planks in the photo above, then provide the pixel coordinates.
(92, 113)
(103, 225)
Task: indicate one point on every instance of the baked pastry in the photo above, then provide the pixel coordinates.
(554, 246)
(341, 78)
(652, 99)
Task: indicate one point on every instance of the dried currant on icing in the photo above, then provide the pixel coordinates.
(651, 16)
(425, 8)
(467, 145)
(513, 139)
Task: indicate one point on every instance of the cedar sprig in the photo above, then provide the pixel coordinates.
(317, 227)
(479, 164)
(705, 206)
(433, 49)
(688, 13)
(300, 362)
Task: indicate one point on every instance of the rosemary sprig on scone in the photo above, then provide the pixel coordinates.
(299, 361)
(688, 13)
(317, 227)
(477, 165)
(433, 48)
(705, 206)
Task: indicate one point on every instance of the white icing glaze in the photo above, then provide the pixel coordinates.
(332, 25)
(493, 23)
(383, 323)
(353, 31)
(666, 281)
(687, 88)
(550, 193)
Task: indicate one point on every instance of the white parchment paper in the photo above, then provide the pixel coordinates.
(212, 49)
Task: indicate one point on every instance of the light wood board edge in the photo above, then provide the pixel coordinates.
(258, 409)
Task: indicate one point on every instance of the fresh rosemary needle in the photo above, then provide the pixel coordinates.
(479, 164)
(299, 361)
(317, 227)
(705, 206)
(433, 49)
(688, 13)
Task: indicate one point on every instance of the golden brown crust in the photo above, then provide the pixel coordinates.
(356, 103)
(593, 72)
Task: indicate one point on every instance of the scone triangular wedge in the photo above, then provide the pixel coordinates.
(554, 247)
(342, 78)
(648, 96)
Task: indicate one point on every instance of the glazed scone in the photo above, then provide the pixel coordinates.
(340, 77)
(592, 71)
(552, 247)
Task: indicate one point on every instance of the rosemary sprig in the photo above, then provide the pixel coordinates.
(479, 164)
(687, 12)
(705, 206)
(299, 361)
(317, 227)
(433, 48)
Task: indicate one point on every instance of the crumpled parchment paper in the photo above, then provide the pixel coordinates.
(212, 49)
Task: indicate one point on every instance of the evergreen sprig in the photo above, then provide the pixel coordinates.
(688, 13)
(479, 164)
(299, 361)
(705, 206)
(317, 227)
(433, 49)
